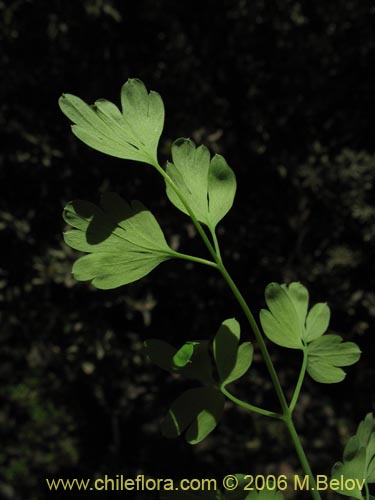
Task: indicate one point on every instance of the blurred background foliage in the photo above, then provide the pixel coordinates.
(285, 91)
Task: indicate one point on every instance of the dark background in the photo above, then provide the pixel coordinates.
(285, 91)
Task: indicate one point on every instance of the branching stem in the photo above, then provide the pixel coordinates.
(286, 412)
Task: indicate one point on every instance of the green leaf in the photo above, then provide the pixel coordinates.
(359, 457)
(124, 241)
(199, 366)
(160, 353)
(327, 354)
(299, 296)
(184, 354)
(317, 321)
(232, 361)
(208, 185)
(196, 411)
(133, 134)
(281, 323)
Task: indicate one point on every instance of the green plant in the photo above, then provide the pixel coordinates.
(124, 242)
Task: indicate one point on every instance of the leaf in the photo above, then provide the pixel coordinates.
(327, 354)
(317, 321)
(184, 354)
(359, 456)
(133, 134)
(196, 411)
(208, 185)
(124, 241)
(232, 361)
(199, 368)
(299, 296)
(281, 323)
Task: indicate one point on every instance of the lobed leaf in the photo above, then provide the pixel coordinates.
(282, 323)
(197, 411)
(359, 459)
(124, 241)
(133, 134)
(232, 361)
(326, 356)
(208, 185)
(198, 367)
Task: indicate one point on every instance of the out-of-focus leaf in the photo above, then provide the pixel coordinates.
(132, 134)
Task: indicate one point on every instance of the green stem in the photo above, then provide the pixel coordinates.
(301, 455)
(216, 243)
(258, 336)
(196, 222)
(191, 258)
(301, 377)
(287, 417)
(367, 491)
(250, 407)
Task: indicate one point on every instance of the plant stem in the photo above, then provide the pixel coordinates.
(301, 377)
(191, 258)
(258, 336)
(286, 414)
(251, 407)
(196, 222)
(301, 455)
(367, 491)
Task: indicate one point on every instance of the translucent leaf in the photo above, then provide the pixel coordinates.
(317, 321)
(281, 323)
(199, 366)
(124, 241)
(184, 354)
(208, 185)
(196, 411)
(133, 134)
(326, 356)
(299, 296)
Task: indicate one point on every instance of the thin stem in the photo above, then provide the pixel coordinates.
(216, 244)
(196, 222)
(367, 491)
(301, 377)
(192, 258)
(302, 456)
(258, 336)
(286, 416)
(250, 407)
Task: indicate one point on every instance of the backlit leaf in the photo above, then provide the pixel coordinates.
(208, 185)
(317, 321)
(124, 241)
(132, 134)
(326, 356)
(281, 323)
